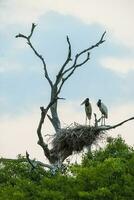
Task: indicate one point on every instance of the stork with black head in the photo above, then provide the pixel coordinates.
(88, 109)
(104, 111)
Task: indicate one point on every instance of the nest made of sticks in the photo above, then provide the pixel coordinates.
(75, 138)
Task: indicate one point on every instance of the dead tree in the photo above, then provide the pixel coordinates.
(70, 139)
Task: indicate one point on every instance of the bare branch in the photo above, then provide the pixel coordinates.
(30, 35)
(51, 120)
(72, 71)
(39, 133)
(32, 30)
(60, 73)
(21, 35)
(93, 46)
(101, 40)
(82, 63)
(35, 51)
(84, 51)
(106, 128)
(75, 65)
(30, 161)
(69, 50)
(43, 61)
(34, 163)
(41, 141)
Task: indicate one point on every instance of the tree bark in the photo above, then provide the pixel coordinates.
(54, 112)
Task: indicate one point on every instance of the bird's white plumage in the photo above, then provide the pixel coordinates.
(103, 110)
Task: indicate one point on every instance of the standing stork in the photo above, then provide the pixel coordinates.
(88, 109)
(104, 111)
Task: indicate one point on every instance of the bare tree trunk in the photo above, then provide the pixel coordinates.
(54, 112)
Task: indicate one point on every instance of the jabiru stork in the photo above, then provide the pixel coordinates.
(88, 109)
(104, 111)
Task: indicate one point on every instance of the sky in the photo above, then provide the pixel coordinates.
(109, 74)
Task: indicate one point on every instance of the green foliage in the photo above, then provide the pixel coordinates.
(106, 174)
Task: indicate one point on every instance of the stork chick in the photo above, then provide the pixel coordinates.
(88, 109)
(104, 111)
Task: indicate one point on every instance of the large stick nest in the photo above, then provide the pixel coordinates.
(75, 138)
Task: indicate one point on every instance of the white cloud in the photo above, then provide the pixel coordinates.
(119, 65)
(9, 65)
(115, 15)
(23, 12)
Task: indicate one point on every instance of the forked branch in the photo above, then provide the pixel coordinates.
(28, 38)
(61, 71)
(65, 73)
(35, 163)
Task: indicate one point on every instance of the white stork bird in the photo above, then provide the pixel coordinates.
(88, 109)
(104, 111)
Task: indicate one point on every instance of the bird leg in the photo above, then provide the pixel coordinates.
(102, 120)
(87, 120)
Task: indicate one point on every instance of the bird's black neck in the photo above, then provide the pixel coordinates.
(87, 103)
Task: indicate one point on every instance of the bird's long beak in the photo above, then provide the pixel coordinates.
(83, 102)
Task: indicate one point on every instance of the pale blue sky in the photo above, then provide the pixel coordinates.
(109, 74)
